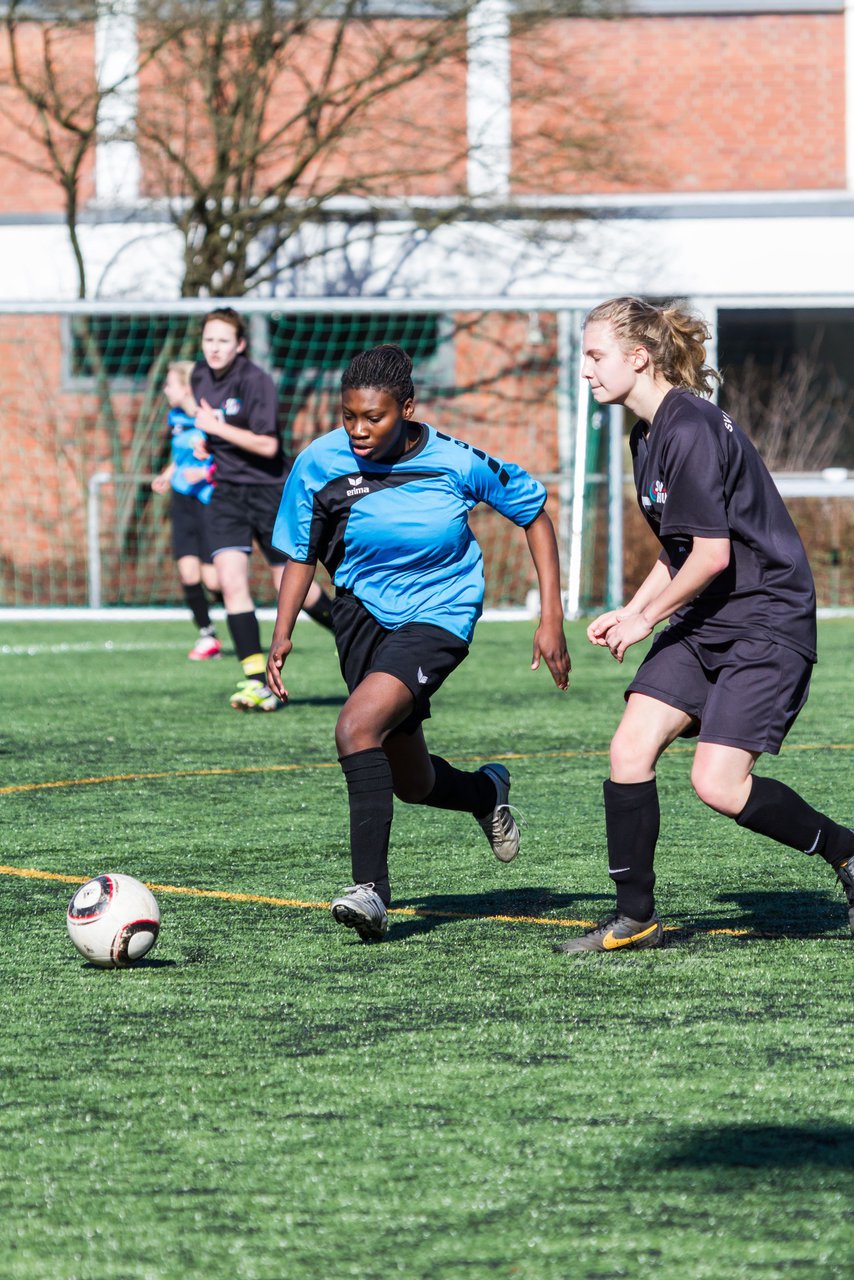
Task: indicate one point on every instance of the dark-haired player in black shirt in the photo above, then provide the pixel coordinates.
(733, 667)
(239, 415)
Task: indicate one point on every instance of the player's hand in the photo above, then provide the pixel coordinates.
(627, 631)
(209, 419)
(160, 484)
(193, 475)
(600, 626)
(279, 650)
(550, 645)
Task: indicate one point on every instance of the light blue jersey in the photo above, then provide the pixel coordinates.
(396, 534)
(185, 437)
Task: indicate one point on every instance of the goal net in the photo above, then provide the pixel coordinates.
(84, 433)
(85, 428)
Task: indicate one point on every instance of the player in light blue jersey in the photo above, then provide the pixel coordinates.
(189, 480)
(383, 503)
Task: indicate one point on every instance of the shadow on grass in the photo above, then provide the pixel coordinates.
(144, 963)
(532, 902)
(332, 700)
(772, 1146)
(775, 913)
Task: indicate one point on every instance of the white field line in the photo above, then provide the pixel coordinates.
(107, 646)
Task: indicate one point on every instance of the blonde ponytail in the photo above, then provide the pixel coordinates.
(675, 339)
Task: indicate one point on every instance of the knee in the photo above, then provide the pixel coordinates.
(716, 791)
(234, 585)
(352, 734)
(344, 735)
(236, 598)
(410, 792)
(631, 759)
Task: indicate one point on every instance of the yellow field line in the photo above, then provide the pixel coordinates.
(331, 764)
(168, 773)
(223, 895)
(228, 896)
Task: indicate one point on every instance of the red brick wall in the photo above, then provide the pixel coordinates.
(411, 139)
(631, 104)
(22, 188)
(684, 104)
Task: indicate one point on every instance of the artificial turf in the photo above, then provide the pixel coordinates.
(266, 1098)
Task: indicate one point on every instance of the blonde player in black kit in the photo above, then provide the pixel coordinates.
(733, 666)
(239, 415)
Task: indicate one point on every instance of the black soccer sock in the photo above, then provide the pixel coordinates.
(774, 810)
(197, 603)
(632, 819)
(371, 794)
(455, 789)
(246, 637)
(321, 610)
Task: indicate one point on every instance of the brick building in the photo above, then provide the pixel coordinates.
(729, 126)
(712, 159)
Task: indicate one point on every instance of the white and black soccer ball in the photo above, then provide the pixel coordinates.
(113, 920)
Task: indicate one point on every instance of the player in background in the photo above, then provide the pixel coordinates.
(239, 415)
(733, 666)
(188, 475)
(383, 503)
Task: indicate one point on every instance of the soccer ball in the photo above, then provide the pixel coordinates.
(113, 921)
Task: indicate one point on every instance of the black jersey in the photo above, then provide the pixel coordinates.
(246, 397)
(698, 475)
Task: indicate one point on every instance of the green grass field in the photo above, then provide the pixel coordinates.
(266, 1098)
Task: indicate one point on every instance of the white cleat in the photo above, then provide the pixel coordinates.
(500, 827)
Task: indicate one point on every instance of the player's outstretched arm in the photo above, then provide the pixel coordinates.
(296, 580)
(549, 638)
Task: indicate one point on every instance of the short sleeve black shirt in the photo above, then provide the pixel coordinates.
(246, 397)
(698, 475)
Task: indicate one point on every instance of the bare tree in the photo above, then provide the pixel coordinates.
(261, 121)
(274, 132)
(796, 411)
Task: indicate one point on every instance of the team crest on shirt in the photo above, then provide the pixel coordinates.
(658, 493)
(231, 406)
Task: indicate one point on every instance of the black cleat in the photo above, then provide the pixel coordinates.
(616, 933)
(845, 873)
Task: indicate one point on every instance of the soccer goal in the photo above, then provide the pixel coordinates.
(85, 432)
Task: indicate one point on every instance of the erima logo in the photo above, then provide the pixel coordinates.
(356, 488)
(422, 679)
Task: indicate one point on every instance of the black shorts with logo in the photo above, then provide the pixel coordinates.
(191, 532)
(241, 512)
(418, 654)
(744, 692)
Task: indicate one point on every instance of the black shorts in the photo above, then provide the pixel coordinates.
(418, 654)
(191, 532)
(241, 512)
(741, 693)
